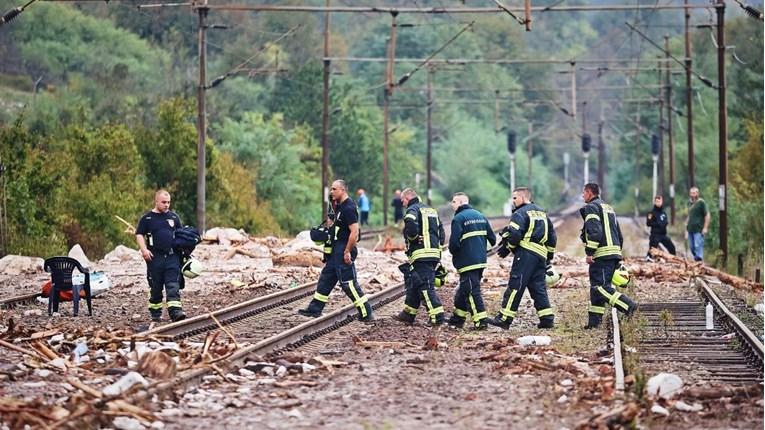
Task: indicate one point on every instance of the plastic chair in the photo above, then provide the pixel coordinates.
(60, 269)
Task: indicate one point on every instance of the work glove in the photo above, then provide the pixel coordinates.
(503, 252)
(548, 269)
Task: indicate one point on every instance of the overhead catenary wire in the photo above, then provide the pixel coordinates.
(703, 79)
(15, 12)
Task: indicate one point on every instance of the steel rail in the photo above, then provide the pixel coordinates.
(239, 311)
(743, 332)
(291, 338)
(12, 302)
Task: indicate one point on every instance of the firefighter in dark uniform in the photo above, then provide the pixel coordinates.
(657, 220)
(531, 238)
(603, 245)
(470, 239)
(154, 235)
(339, 266)
(424, 236)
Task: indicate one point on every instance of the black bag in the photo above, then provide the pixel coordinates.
(186, 239)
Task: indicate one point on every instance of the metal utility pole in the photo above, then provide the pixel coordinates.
(670, 134)
(662, 127)
(325, 123)
(585, 144)
(601, 157)
(573, 90)
(723, 126)
(201, 120)
(386, 103)
(511, 136)
(638, 132)
(429, 114)
(531, 153)
(689, 96)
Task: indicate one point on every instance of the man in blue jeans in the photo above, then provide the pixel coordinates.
(698, 224)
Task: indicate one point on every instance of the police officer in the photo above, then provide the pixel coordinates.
(154, 235)
(603, 245)
(339, 266)
(468, 244)
(657, 220)
(424, 236)
(531, 237)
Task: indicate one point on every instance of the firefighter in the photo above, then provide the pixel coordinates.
(424, 236)
(531, 238)
(340, 264)
(468, 243)
(657, 220)
(603, 245)
(154, 236)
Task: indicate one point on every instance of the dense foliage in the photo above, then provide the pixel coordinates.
(98, 110)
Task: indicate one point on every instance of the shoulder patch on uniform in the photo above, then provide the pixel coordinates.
(650, 215)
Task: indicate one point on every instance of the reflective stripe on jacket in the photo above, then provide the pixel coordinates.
(422, 221)
(602, 236)
(469, 237)
(531, 229)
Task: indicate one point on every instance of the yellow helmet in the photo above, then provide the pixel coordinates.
(551, 277)
(442, 276)
(621, 277)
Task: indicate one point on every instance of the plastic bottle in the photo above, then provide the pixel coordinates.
(710, 317)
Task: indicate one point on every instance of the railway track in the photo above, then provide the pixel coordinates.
(12, 302)
(268, 325)
(673, 337)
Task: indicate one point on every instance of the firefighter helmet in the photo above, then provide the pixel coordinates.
(621, 277)
(192, 268)
(442, 276)
(319, 234)
(551, 277)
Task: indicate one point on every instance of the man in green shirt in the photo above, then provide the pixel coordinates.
(698, 224)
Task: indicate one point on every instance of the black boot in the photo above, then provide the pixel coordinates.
(546, 322)
(455, 322)
(481, 325)
(593, 321)
(497, 322)
(177, 316)
(404, 317)
(307, 312)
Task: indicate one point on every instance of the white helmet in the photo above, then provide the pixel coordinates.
(551, 277)
(192, 268)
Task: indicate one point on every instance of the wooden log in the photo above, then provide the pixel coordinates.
(289, 384)
(16, 348)
(746, 392)
(699, 267)
(615, 418)
(247, 253)
(157, 364)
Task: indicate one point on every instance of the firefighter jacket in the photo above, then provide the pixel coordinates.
(468, 240)
(423, 232)
(601, 234)
(531, 229)
(657, 220)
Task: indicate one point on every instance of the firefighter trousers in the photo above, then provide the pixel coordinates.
(528, 271)
(421, 289)
(468, 298)
(602, 292)
(163, 273)
(335, 270)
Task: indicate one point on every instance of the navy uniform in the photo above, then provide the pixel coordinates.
(335, 270)
(531, 238)
(603, 242)
(424, 235)
(469, 242)
(657, 221)
(164, 269)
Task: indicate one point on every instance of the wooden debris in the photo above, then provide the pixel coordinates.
(130, 229)
(745, 392)
(695, 267)
(17, 348)
(364, 343)
(46, 333)
(225, 330)
(157, 364)
(613, 419)
(289, 384)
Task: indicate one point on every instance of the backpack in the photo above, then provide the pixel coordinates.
(186, 239)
